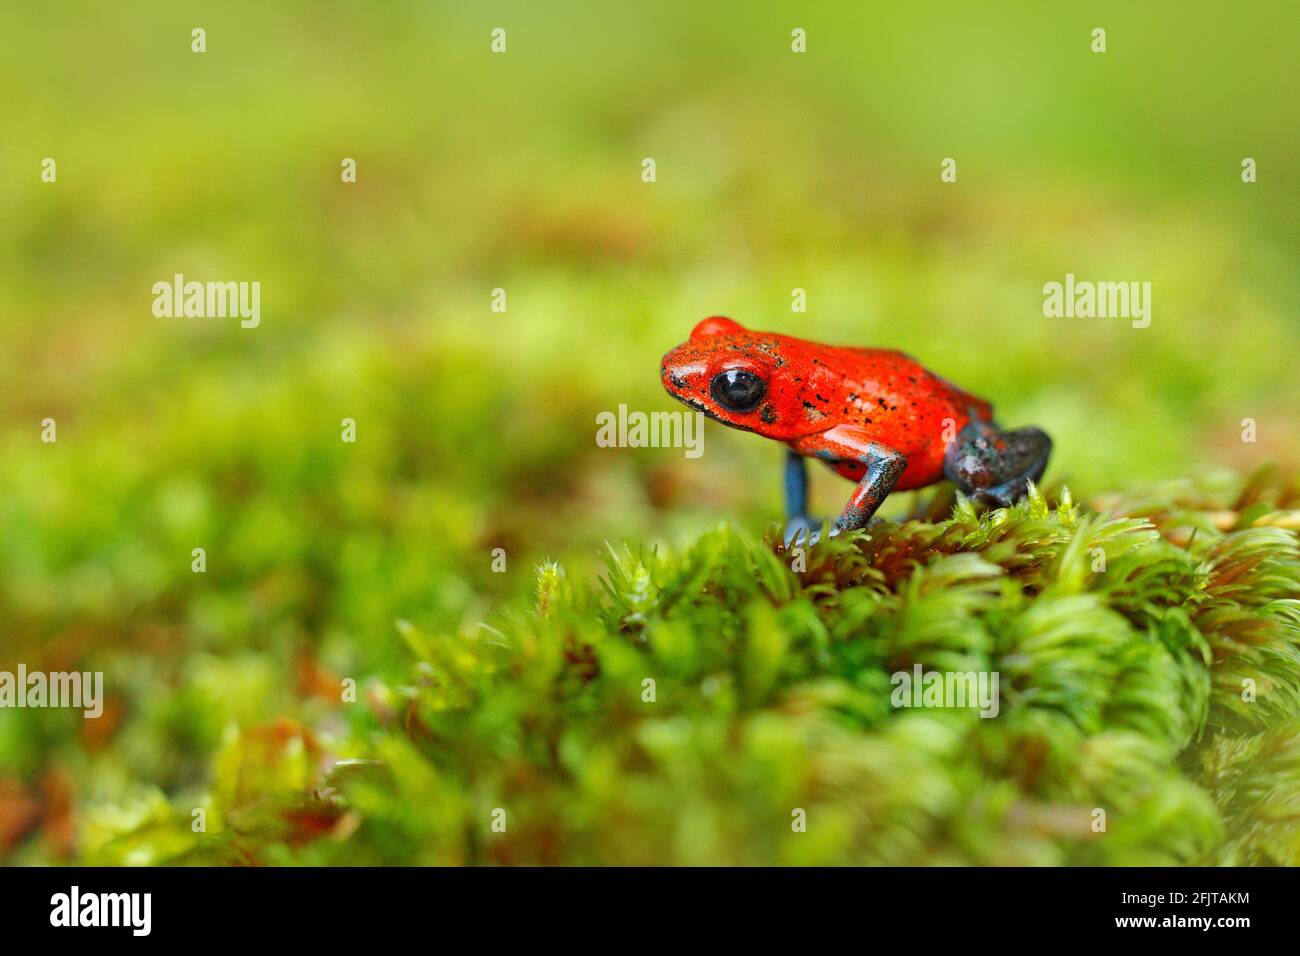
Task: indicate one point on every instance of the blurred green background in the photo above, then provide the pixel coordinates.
(522, 171)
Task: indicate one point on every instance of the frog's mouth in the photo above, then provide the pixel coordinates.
(706, 411)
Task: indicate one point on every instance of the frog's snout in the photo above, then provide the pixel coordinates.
(671, 372)
(671, 378)
(684, 373)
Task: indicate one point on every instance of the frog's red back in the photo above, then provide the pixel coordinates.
(889, 394)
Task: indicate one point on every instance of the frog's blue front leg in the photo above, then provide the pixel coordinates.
(796, 486)
(798, 524)
(882, 466)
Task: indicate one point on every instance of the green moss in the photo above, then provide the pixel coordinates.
(688, 710)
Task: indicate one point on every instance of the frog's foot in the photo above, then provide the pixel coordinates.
(808, 531)
(801, 529)
(993, 466)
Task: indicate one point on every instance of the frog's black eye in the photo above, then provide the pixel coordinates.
(737, 390)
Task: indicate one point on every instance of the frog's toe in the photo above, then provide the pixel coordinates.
(874, 521)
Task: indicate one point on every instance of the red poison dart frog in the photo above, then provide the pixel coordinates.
(873, 415)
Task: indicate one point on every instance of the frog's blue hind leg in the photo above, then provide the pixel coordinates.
(994, 466)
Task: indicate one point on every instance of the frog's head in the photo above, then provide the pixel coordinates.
(732, 375)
